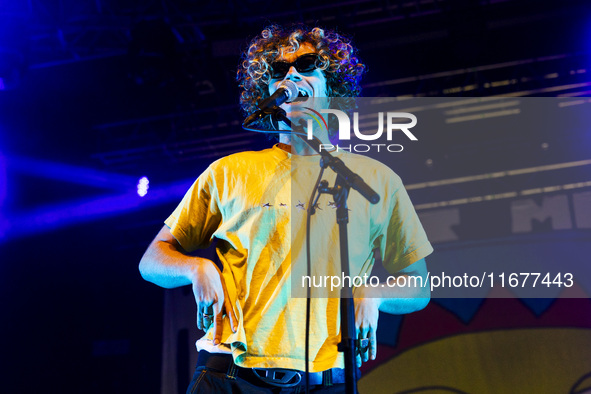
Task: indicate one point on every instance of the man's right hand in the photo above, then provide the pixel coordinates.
(211, 297)
(166, 264)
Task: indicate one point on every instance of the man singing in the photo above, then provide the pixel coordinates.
(250, 202)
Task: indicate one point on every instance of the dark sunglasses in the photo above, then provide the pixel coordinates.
(302, 64)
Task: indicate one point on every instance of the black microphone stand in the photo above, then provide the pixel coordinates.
(340, 192)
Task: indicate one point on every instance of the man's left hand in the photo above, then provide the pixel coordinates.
(366, 323)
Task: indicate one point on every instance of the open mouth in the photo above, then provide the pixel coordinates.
(303, 93)
(302, 96)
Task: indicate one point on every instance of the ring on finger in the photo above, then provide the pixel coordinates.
(363, 344)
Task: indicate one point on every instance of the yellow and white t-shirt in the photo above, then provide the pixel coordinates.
(254, 204)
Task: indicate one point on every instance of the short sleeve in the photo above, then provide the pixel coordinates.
(403, 240)
(197, 217)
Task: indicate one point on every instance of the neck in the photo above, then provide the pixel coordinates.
(298, 146)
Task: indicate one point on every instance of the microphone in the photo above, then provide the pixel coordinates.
(287, 91)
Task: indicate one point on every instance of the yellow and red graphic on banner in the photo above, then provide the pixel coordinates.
(495, 345)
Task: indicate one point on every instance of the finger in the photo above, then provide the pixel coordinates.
(208, 310)
(359, 348)
(218, 326)
(207, 321)
(230, 311)
(199, 317)
(197, 297)
(373, 344)
(364, 350)
(209, 313)
(204, 318)
(362, 346)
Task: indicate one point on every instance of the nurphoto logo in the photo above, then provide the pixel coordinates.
(392, 120)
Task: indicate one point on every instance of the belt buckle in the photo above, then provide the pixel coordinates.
(278, 377)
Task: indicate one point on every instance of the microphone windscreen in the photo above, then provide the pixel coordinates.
(291, 87)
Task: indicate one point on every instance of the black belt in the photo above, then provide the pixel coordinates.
(268, 377)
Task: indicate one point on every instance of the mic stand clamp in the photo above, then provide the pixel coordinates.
(275, 112)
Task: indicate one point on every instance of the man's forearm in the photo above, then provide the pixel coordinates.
(402, 300)
(165, 265)
(409, 292)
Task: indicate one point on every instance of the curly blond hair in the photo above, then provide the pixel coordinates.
(337, 59)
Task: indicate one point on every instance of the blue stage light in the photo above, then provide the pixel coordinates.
(3, 182)
(52, 217)
(71, 173)
(4, 225)
(587, 41)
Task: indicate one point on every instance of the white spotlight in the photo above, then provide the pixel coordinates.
(143, 186)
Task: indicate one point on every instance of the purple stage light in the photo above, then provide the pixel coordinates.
(143, 186)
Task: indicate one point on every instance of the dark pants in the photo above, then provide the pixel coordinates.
(208, 380)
